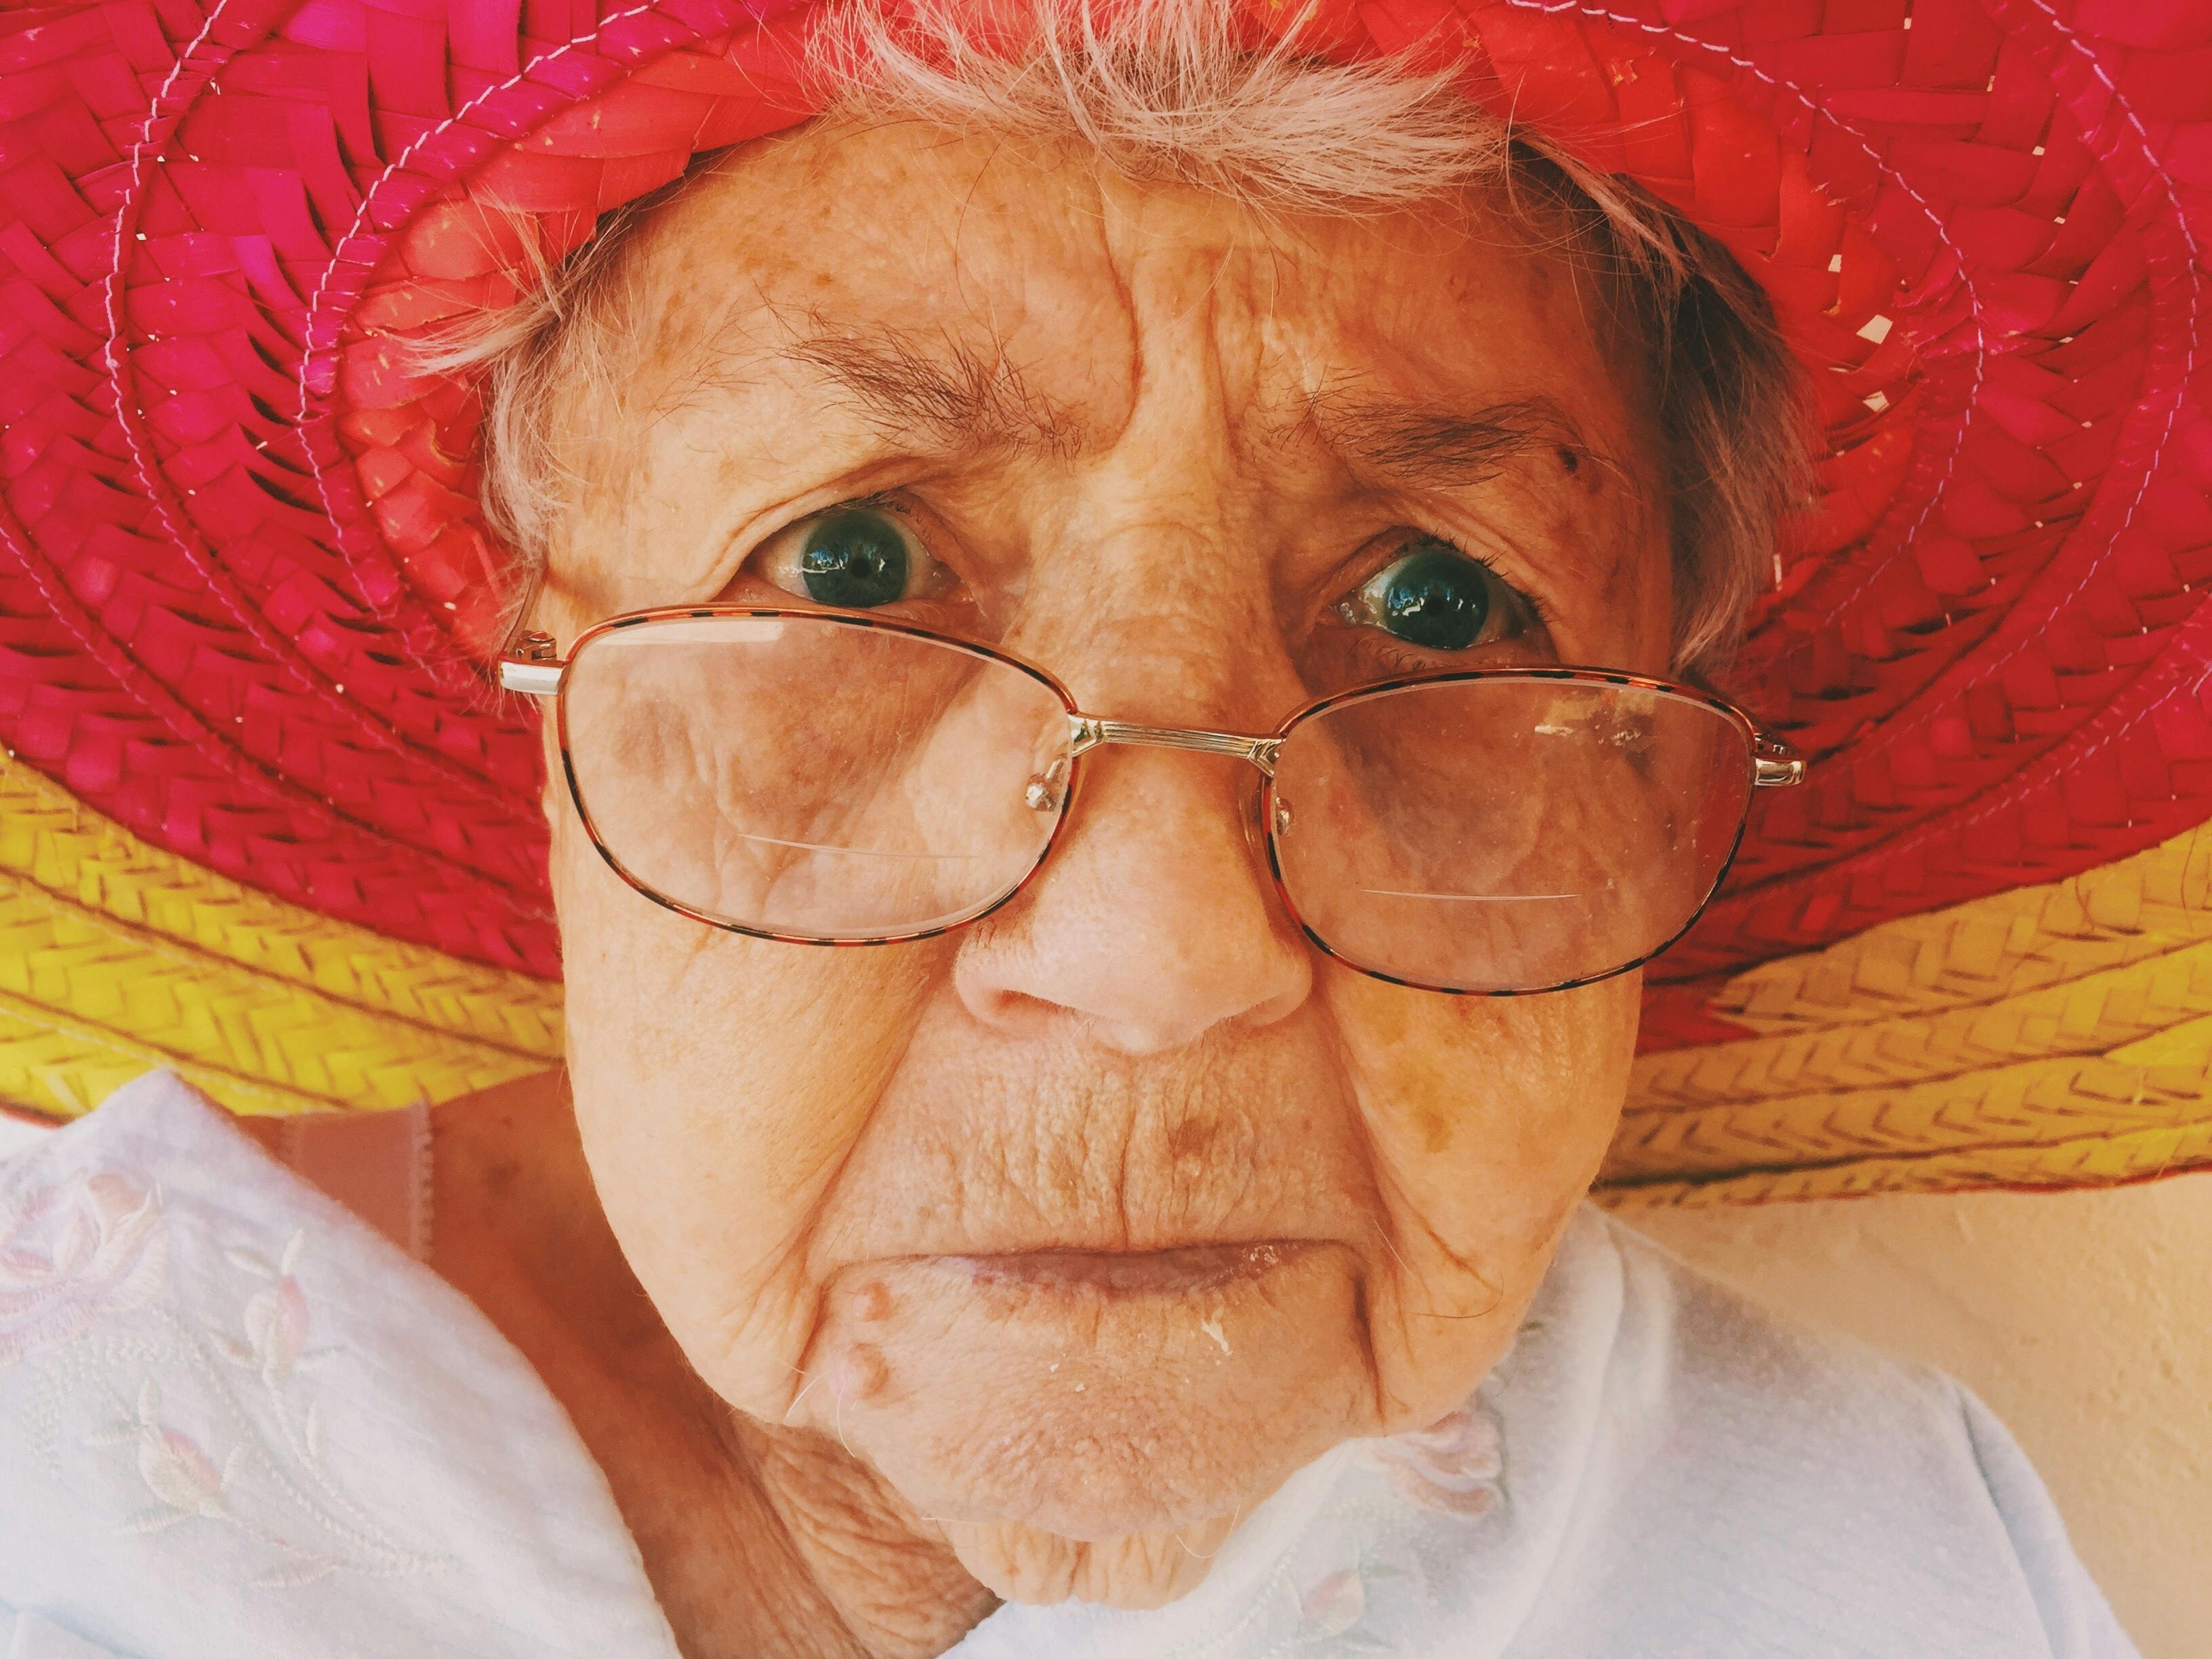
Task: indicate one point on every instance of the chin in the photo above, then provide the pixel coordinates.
(1096, 1394)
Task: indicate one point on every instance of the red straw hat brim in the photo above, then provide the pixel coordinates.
(245, 588)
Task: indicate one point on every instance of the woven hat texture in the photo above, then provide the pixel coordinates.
(262, 823)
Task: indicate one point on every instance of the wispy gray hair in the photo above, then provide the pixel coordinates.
(1176, 90)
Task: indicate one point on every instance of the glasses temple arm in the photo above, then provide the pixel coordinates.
(1774, 763)
(533, 668)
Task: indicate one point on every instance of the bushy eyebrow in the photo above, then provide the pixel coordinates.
(1421, 446)
(938, 391)
(947, 393)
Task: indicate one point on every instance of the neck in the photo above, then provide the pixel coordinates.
(758, 1540)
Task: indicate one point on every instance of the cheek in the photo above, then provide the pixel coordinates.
(1487, 1120)
(1511, 1091)
(720, 1082)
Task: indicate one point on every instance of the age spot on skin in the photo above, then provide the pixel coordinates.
(872, 1301)
(1191, 1141)
(1435, 1123)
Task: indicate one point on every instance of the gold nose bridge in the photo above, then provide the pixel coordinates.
(1087, 732)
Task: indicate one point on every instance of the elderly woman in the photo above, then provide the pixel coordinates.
(1194, 551)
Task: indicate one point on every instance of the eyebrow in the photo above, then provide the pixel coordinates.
(1421, 446)
(942, 390)
(957, 396)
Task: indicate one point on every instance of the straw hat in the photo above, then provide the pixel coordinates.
(259, 823)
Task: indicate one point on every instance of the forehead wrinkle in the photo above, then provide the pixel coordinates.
(939, 390)
(1425, 446)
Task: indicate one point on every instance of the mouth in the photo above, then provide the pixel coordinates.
(1094, 1393)
(1115, 1273)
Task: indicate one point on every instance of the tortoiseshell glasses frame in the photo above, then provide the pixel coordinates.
(534, 669)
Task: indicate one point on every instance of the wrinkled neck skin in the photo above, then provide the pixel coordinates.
(759, 1539)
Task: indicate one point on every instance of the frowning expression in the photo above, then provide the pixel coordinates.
(1093, 1219)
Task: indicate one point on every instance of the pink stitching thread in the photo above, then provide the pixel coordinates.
(369, 198)
(352, 716)
(2008, 797)
(195, 734)
(1782, 83)
(2072, 38)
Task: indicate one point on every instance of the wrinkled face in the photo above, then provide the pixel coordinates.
(1094, 1219)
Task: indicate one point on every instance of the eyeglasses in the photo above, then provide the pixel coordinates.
(830, 779)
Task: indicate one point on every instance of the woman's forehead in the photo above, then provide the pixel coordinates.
(1024, 287)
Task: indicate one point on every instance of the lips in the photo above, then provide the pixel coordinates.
(1174, 1272)
(987, 1144)
(1093, 1393)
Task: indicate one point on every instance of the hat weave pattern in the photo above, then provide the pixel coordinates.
(244, 587)
(116, 957)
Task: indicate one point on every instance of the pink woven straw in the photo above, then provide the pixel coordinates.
(244, 589)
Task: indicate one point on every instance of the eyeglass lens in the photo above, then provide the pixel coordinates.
(809, 778)
(1506, 833)
(806, 777)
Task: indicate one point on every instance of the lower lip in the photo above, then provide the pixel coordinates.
(1130, 1273)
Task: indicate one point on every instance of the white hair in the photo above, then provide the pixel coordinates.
(1178, 90)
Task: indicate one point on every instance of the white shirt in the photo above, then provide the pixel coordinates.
(236, 1421)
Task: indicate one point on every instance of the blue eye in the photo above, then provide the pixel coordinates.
(1435, 597)
(855, 557)
(855, 560)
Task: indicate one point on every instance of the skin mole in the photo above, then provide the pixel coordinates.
(1192, 1138)
(1435, 1121)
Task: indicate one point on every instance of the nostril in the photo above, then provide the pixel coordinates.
(1193, 1007)
(1153, 923)
(1134, 1005)
(1287, 1000)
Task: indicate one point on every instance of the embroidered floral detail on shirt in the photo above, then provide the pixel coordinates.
(1333, 1607)
(287, 1466)
(73, 1252)
(1455, 1466)
(173, 1466)
(1330, 1611)
(79, 1254)
(275, 1318)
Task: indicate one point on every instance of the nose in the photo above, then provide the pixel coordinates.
(1152, 924)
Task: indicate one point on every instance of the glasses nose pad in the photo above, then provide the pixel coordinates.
(1047, 790)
